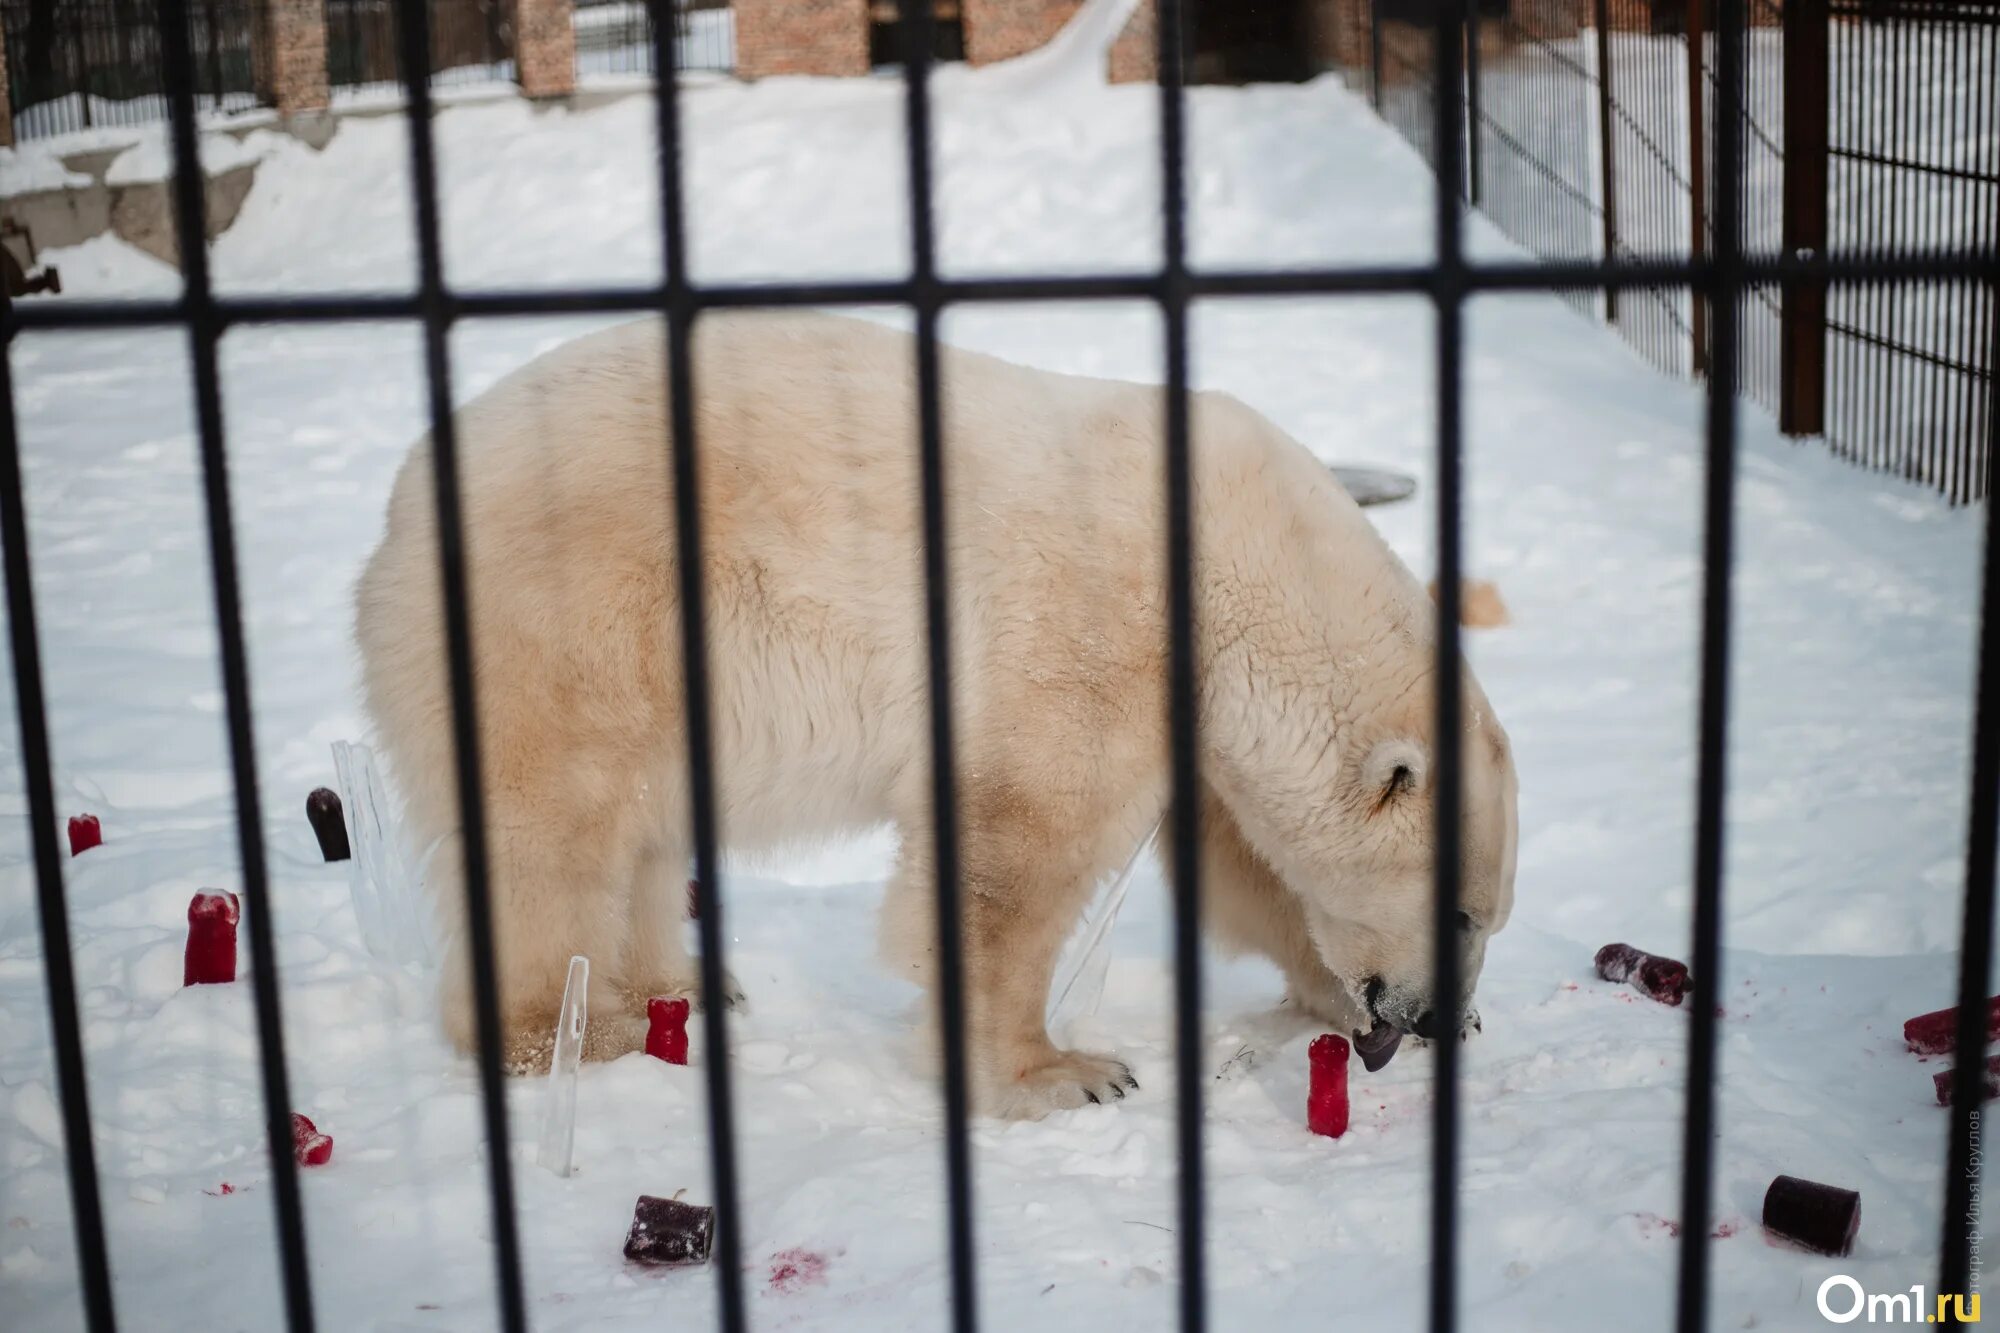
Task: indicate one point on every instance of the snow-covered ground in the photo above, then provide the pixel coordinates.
(1850, 747)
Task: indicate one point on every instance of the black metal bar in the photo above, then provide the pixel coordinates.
(413, 31)
(1844, 269)
(1470, 27)
(1802, 349)
(1447, 739)
(1718, 554)
(681, 312)
(917, 21)
(1606, 152)
(204, 331)
(1697, 139)
(1882, 11)
(1174, 294)
(1899, 164)
(1375, 54)
(1907, 350)
(1962, 1158)
(93, 1262)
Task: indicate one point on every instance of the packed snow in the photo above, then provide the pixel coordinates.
(1850, 728)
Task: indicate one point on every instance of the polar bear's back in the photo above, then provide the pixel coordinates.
(813, 544)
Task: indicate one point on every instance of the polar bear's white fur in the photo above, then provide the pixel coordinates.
(1314, 652)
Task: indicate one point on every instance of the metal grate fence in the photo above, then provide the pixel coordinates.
(616, 37)
(1593, 129)
(1720, 276)
(79, 64)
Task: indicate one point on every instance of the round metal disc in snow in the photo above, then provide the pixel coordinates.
(1374, 486)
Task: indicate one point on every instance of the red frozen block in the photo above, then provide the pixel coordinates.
(667, 1029)
(1937, 1033)
(1326, 1085)
(1820, 1217)
(1662, 979)
(211, 942)
(84, 834)
(1942, 1081)
(309, 1146)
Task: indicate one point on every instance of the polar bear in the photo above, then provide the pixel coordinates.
(1314, 654)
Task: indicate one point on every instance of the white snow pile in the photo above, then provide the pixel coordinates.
(1850, 726)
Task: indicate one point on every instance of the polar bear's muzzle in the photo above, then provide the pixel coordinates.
(1397, 1013)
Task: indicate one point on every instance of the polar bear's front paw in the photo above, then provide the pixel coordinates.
(1067, 1080)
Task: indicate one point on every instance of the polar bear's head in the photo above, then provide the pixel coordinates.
(1372, 917)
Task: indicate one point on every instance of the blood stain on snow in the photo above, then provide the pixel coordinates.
(227, 1188)
(1651, 1224)
(794, 1269)
(1724, 1231)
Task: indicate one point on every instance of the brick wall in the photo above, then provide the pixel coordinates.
(1135, 55)
(290, 54)
(544, 48)
(1003, 29)
(801, 37)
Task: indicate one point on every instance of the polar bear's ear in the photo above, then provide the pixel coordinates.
(1392, 768)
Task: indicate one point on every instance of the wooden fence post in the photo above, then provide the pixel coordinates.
(1606, 157)
(1697, 25)
(1802, 302)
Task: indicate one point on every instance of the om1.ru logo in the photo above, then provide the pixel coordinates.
(1842, 1301)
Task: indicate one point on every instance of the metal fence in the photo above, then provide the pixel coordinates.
(1865, 124)
(1720, 275)
(76, 64)
(616, 37)
(471, 41)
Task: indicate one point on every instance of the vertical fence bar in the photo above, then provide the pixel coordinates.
(680, 313)
(1975, 940)
(1374, 54)
(93, 1264)
(918, 26)
(1181, 683)
(1718, 551)
(1607, 156)
(1472, 151)
(204, 331)
(413, 31)
(1698, 303)
(1449, 294)
(1977, 925)
(1802, 302)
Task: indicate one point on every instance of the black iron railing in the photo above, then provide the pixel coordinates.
(1718, 276)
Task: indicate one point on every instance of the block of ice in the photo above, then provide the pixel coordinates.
(1086, 956)
(557, 1150)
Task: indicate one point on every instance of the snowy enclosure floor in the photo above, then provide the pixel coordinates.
(1851, 718)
